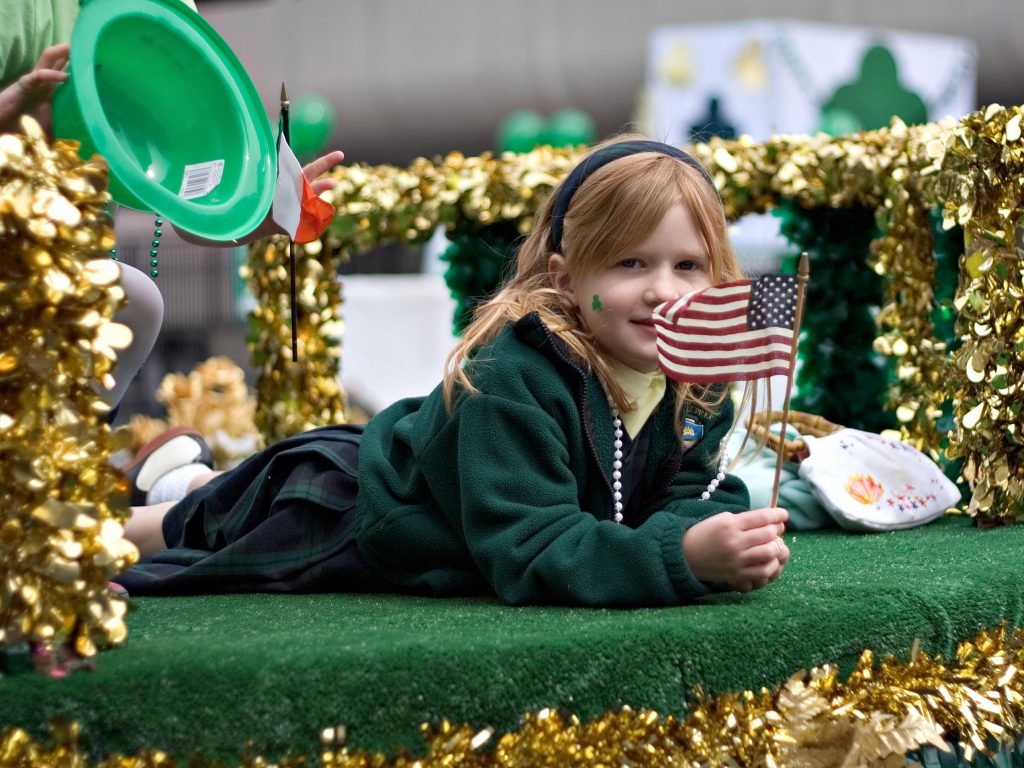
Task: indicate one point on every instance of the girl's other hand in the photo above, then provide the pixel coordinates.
(742, 550)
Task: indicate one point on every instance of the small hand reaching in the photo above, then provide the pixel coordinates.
(30, 93)
(743, 550)
(319, 167)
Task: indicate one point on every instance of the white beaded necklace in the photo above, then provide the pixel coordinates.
(723, 463)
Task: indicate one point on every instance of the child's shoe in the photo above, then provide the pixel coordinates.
(169, 450)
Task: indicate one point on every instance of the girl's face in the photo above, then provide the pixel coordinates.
(617, 300)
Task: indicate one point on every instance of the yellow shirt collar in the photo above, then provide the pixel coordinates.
(643, 390)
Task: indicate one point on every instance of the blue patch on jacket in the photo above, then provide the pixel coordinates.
(692, 431)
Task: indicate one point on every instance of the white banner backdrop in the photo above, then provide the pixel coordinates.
(776, 76)
(767, 77)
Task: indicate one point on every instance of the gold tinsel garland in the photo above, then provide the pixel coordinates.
(903, 255)
(971, 170)
(984, 184)
(295, 396)
(882, 712)
(61, 537)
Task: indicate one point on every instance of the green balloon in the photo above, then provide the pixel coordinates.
(311, 123)
(520, 131)
(570, 128)
(836, 121)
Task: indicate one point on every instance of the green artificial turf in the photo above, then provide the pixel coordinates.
(205, 674)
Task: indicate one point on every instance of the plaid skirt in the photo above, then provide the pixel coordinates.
(282, 521)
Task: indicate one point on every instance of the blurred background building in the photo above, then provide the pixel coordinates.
(423, 77)
(398, 79)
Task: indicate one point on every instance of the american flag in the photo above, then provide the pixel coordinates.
(737, 331)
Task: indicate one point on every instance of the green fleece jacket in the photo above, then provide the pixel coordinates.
(511, 492)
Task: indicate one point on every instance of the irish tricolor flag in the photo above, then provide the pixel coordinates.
(297, 210)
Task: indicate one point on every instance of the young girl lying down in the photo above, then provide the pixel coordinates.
(550, 464)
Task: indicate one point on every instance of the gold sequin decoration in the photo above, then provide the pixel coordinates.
(983, 177)
(295, 396)
(61, 537)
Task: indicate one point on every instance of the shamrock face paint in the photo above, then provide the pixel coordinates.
(595, 303)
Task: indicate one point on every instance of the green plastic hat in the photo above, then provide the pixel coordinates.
(160, 95)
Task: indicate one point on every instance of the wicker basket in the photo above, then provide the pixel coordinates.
(805, 423)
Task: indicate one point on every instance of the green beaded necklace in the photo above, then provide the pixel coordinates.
(154, 253)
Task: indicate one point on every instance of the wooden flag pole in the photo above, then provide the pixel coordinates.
(285, 131)
(803, 273)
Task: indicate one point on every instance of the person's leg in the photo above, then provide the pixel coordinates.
(144, 314)
(145, 528)
(281, 521)
(203, 479)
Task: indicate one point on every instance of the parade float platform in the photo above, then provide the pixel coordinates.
(205, 675)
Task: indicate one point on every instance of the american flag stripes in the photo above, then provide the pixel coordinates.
(737, 331)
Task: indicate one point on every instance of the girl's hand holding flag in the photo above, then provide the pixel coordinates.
(742, 330)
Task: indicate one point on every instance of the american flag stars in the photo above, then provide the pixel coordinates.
(773, 302)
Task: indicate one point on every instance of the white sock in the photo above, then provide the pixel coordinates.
(173, 485)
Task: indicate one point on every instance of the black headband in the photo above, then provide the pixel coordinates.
(601, 158)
